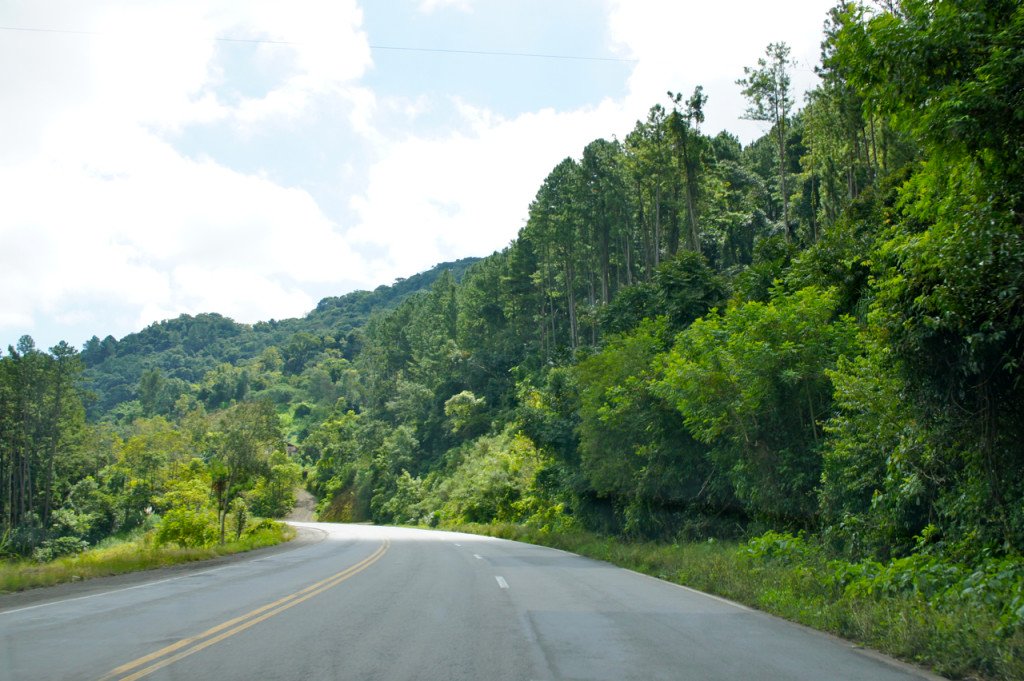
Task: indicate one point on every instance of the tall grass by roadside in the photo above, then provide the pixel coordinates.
(959, 636)
(129, 555)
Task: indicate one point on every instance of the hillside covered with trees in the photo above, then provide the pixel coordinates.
(175, 427)
(820, 332)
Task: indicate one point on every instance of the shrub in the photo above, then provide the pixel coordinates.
(58, 548)
(782, 548)
(187, 528)
(239, 516)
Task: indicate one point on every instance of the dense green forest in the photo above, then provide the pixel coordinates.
(821, 331)
(174, 428)
(178, 353)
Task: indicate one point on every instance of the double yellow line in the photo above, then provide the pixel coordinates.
(185, 647)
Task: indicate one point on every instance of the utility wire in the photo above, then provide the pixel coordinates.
(534, 55)
(391, 48)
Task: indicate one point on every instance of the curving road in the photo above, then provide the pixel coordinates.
(361, 602)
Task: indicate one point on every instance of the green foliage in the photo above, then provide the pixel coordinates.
(682, 289)
(273, 495)
(633, 447)
(187, 527)
(494, 480)
(142, 463)
(58, 548)
(947, 296)
(344, 477)
(751, 382)
(121, 555)
(44, 440)
(767, 88)
(241, 450)
(464, 411)
(783, 548)
(187, 515)
(188, 486)
(407, 505)
(239, 516)
(180, 352)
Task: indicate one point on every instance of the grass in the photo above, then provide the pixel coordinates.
(128, 555)
(960, 643)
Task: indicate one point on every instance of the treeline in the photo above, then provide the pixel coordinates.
(182, 428)
(66, 484)
(690, 338)
(185, 349)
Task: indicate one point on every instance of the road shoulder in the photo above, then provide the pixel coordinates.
(89, 587)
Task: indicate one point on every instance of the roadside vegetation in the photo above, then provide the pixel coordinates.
(964, 622)
(143, 551)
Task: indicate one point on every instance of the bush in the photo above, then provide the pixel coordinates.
(23, 539)
(274, 494)
(187, 528)
(782, 548)
(239, 516)
(58, 548)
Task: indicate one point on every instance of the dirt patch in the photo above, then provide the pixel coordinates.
(305, 507)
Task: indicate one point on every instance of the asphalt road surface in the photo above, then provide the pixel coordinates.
(361, 602)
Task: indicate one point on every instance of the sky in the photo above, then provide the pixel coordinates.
(160, 158)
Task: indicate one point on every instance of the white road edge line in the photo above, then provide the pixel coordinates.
(501, 581)
(148, 584)
(693, 591)
(114, 591)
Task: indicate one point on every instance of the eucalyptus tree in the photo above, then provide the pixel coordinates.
(767, 88)
(684, 124)
(648, 155)
(42, 426)
(556, 221)
(606, 209)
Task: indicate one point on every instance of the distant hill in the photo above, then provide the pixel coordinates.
(187, 347)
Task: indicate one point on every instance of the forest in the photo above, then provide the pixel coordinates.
(818, 336)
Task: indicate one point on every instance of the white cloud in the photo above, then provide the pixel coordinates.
(106, 225)
(167, 233)
(428, 6)
(322, 48)
(684, 44)
(104, 221)
(467, 193)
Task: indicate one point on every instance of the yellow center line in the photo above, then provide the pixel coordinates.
(237, 624)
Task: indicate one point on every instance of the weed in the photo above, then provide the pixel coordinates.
(128, 555)
(959, 622)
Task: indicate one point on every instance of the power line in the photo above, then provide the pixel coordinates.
(534, 55)
(391, 48)
(45, 30)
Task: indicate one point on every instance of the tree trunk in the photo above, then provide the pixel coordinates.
(570, 300)
(54, 437)
(657, 226)
(693, 239)
(781, 127)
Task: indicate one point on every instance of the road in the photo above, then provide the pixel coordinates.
(362, 602)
